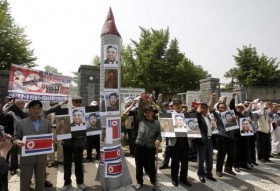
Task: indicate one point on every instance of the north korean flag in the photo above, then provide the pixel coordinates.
(112, 153)
(113, 169)
(38, 144)
(116, 130)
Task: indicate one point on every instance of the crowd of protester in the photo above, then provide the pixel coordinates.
(144, 134)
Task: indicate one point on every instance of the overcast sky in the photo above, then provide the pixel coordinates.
(66, 33)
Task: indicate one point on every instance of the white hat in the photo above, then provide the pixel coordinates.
(93, 103)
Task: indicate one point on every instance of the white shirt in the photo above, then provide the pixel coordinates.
(209, 128)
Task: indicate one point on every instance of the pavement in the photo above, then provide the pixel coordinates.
(264, 177)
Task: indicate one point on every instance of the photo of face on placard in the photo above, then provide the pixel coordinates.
(93, 123)
(112, 101)
(245, 126)
(178, 122)
(63, 130)
(191, 124)
(166, 125)
(213, 124)
(229, 118)
(111, 55)
(111, 79)
(77, 116)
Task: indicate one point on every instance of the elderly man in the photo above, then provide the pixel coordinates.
(147, 141)
(33, 125)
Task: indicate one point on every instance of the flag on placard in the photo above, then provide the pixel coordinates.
(37, 144)
(114, 123)
(112, 153)
(113, 169)
(102, 156)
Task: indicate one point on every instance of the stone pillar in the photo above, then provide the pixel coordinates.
(89, 83)
(4, 79)
(209, 86)
(241, 94)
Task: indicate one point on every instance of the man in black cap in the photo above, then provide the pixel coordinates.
(204, 144)
(147, 141)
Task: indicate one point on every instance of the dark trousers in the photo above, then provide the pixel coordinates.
(145, 155)
(193, 153)
(244, 150)
(205, 153)
(68, 153)
(179, 154)
(131, 141)
(93, 142)
(225, 146)
(3, 174)
(14, 158)
(252, 145)
(167, 156)
(264, 146)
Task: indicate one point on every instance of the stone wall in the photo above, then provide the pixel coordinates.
(271, 94)
(4, 79)
(89, 83)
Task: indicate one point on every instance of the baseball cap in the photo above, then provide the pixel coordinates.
(148, 108)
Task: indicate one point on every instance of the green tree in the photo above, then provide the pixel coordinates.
(52, 70)
(254, 70)
(96, 60)
(157, 65)
(14, 46)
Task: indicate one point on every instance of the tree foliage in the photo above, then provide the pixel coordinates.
(253, 69)
(14, 46)
(156, 64)
(52, 70)
(96, 60)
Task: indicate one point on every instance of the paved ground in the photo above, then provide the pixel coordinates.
(265, 176)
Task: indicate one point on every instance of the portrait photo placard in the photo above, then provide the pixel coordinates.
(229, 120)
(213, 124)
(93, 126)
(112, 102)
(111, 55)
(63, 130)
(111, 79)
(245, 126)
(77, 119)
(192, 127)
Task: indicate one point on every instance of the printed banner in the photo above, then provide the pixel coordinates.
(113, 169)
(30, 84)
(112, 153)
(37, 145)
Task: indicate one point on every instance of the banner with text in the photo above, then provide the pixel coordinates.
(30, 84)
